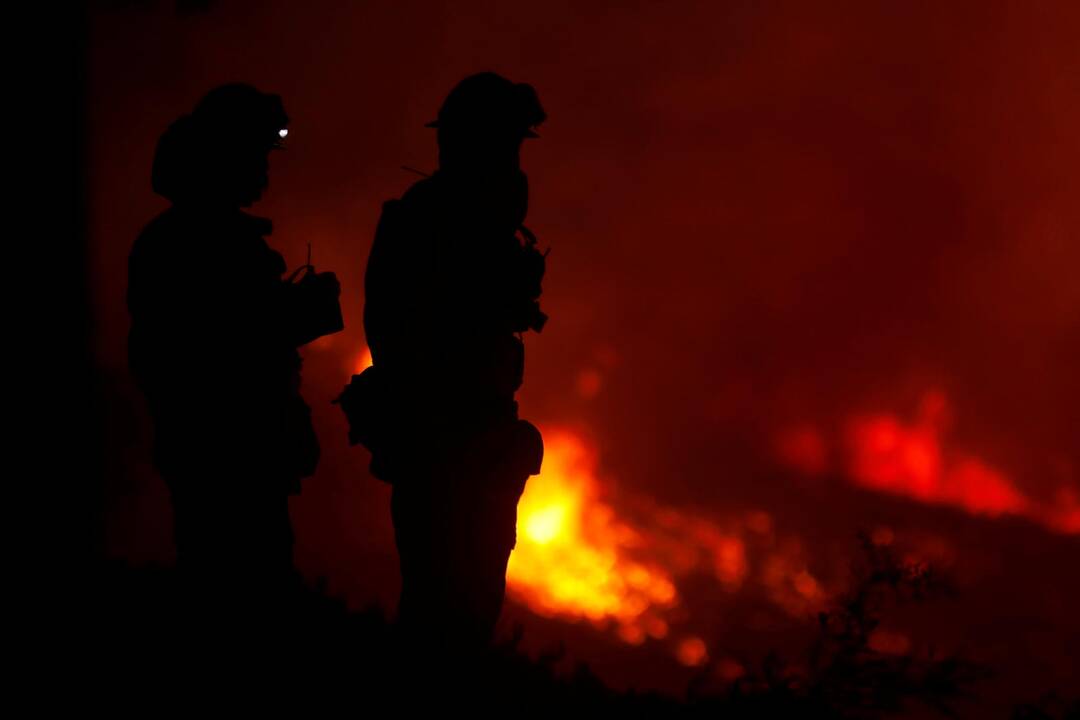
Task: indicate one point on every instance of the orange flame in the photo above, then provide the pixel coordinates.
(577, 559)
(580, 558)
(363, 362)
(573, 557)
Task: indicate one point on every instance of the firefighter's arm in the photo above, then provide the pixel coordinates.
(310, 308)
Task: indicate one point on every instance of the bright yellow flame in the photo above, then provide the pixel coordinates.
(577, 558)
(543, 525)
(572, 557)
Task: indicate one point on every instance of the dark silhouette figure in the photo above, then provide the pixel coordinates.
(452, 282)
(213, 345)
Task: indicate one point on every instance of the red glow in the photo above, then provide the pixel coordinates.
(888, 455)
(729, 670)
(885, 453)
(803, 448)
(757, 211)
(589, 383)
(889, 642)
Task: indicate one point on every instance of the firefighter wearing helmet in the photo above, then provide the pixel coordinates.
(213, 346)
(452, 285)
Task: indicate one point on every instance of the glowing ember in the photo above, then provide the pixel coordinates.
(692, 651)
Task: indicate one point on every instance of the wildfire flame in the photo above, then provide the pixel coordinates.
(882, 452)
(577, 558)
(580, 558)
(573, 557)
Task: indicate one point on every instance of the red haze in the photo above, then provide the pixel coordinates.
(774, 227)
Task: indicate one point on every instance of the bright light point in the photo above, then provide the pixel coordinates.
(282, 132)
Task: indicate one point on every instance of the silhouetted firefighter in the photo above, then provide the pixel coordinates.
(452, 282)
(213, 345)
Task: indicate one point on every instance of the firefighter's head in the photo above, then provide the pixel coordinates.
(219, 154)
(483, 122)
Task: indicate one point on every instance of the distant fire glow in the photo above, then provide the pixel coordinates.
(885, 453)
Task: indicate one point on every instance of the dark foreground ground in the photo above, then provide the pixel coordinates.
(137, 646)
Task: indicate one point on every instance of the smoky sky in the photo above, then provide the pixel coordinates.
(759, 214)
